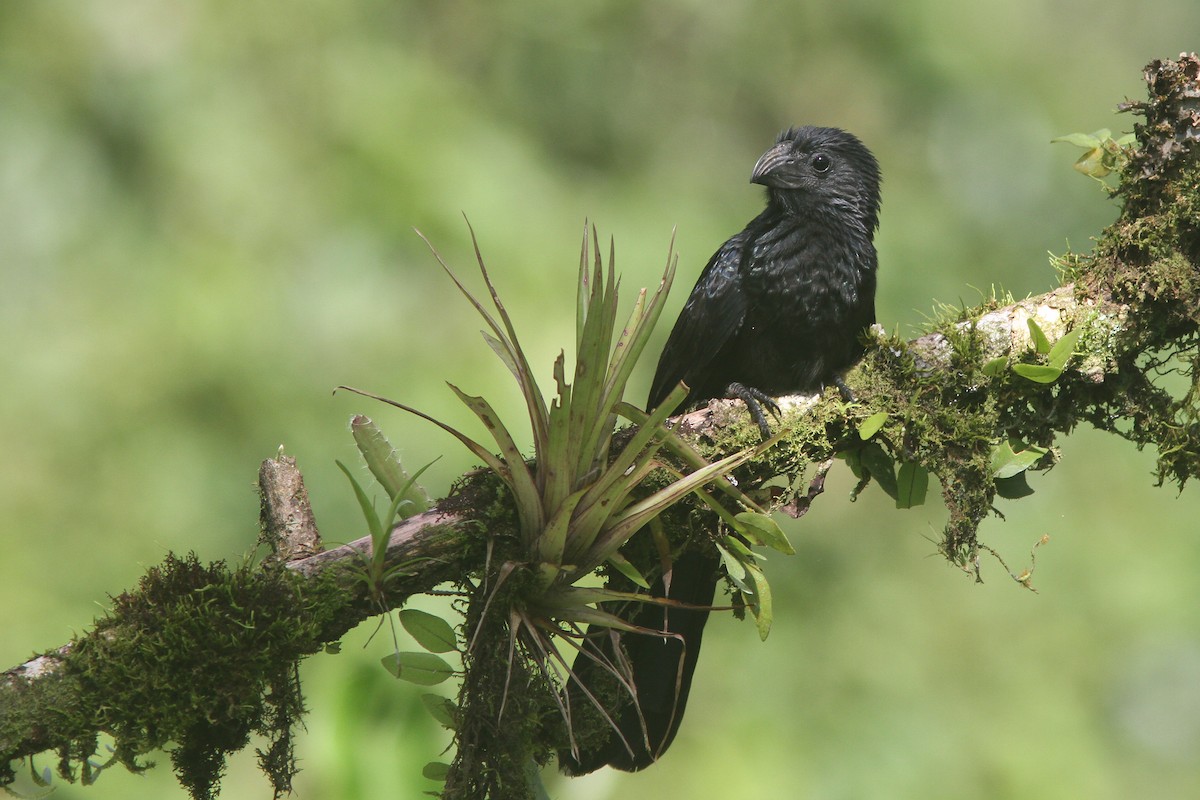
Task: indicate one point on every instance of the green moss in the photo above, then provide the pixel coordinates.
(198, 659)
(1150, 260)
(503, 698)
(945, 420)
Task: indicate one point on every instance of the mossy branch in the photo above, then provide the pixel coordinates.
(202, 656)
(946, 402)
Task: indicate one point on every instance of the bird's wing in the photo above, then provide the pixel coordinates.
(711, 316)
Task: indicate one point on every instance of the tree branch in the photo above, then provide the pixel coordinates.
(952, 397)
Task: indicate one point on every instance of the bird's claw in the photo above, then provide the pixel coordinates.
(756, 400)
(843, 389)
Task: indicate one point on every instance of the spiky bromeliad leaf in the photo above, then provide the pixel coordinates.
(607, 495)
(567, 603)
(635, 515)
(505, 338)
(596, 316)
(522, 482)
(690, 457)
(572, 503)
(556, 479)
(602, 369)
(584, 416)
(624, 566)
(549, 545)
(572, 435)
(376, 574)
(494, 463)
(629, 347)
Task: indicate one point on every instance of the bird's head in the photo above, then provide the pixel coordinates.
(811, 167)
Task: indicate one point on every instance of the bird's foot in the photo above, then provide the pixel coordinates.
(756, 400)
(843, 389)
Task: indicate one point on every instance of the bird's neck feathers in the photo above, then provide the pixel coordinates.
(852, 218)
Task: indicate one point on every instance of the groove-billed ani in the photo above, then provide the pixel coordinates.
(781, 308)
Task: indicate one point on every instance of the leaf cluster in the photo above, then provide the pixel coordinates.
(582, 495)
(1102, 153)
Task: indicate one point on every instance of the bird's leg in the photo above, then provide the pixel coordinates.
(755, 400)
(843, 389)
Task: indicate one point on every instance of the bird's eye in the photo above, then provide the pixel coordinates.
(821, 162)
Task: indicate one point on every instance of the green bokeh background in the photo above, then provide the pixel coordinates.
(206, 216)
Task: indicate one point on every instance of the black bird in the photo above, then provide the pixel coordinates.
(780, 309)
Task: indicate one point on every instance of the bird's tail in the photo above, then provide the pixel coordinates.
(661, 668)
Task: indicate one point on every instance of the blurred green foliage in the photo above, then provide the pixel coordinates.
(205, 225)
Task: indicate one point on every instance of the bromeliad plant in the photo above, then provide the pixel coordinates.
(577, 499)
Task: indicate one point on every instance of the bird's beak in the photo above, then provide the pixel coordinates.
(770, 163)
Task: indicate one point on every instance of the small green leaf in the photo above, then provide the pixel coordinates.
(912, 484)
(1040, 343)
(740, 550)
(995, 367)
(1063, 349)
(765, 531)
(436, 771)
(733, 566)
(1084, 140)
(762, 606)
(1012, 457)
(374, 524)
(430, 631)
(441, 709)
(871, 425)
(391, 662)
(1093, 163)
(881, 466)
(1103, 153)
(424, 669)
(1038, 373)
(333, 648)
